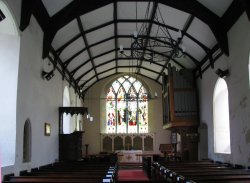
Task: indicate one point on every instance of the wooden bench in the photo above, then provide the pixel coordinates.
(198, 172)
(68, 172)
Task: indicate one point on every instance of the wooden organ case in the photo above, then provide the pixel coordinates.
(180, 111)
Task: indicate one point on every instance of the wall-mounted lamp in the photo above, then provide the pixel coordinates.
(156, 94)
(48, 75)
(222, 73)
(48, 69)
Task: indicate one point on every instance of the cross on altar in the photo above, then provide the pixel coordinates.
(128, 146)
(129, 157)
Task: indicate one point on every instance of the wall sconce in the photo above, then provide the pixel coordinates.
(222, 73)
(48, 70)
(48, 75)
(156, 94)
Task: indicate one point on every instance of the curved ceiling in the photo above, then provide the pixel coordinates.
(83, 38)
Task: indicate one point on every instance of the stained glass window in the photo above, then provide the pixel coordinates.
(127, 106)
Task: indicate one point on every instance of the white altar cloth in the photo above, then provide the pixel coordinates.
(129, 156)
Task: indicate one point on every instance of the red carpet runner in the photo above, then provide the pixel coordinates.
(134, 175)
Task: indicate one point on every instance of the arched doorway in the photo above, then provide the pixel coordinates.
(27, 141)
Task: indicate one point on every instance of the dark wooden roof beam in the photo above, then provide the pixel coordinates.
(86, 44)
(152, 17)
(232, 14)
(246, 6)
(116, 33)
(102, 54)
(67, 62)
(211, 19)
(187, 25)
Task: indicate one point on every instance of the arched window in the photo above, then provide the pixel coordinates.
(66, 117)
(27, 141)
(127, 106)
(221, 118)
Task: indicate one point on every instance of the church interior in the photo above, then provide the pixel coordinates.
(93, 87)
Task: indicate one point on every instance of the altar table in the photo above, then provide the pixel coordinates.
(129, 156)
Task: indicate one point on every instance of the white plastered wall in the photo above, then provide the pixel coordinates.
(239, 98)
(9, 62)
(36, 98)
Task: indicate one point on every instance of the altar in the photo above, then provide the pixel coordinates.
(129, 156)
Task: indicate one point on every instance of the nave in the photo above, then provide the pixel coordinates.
(139, 78)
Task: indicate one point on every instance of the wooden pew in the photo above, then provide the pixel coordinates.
(198, 172)
(69, 172)
(146, 165)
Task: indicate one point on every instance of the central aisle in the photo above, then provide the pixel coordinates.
(133, 174)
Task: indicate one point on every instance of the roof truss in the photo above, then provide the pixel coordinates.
(51, 25)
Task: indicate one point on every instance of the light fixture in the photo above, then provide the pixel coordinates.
(89, 117)
(48, 70)
(48, 75)
(157, 46)
(222, 73)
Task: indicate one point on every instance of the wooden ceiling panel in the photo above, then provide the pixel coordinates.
(97, 17)
(87, 67)
(106, 74)
(202, 32)
(193, 49)
(149, 74)
(82, 58)
(103, 47)
(73, 48)
(218, 7)
(65, 34)
(105, 67)
(100, 34)
(173, 17)
(127, 10)
(54, 6)
(127, 28)
(87, 77)
(104, 58)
